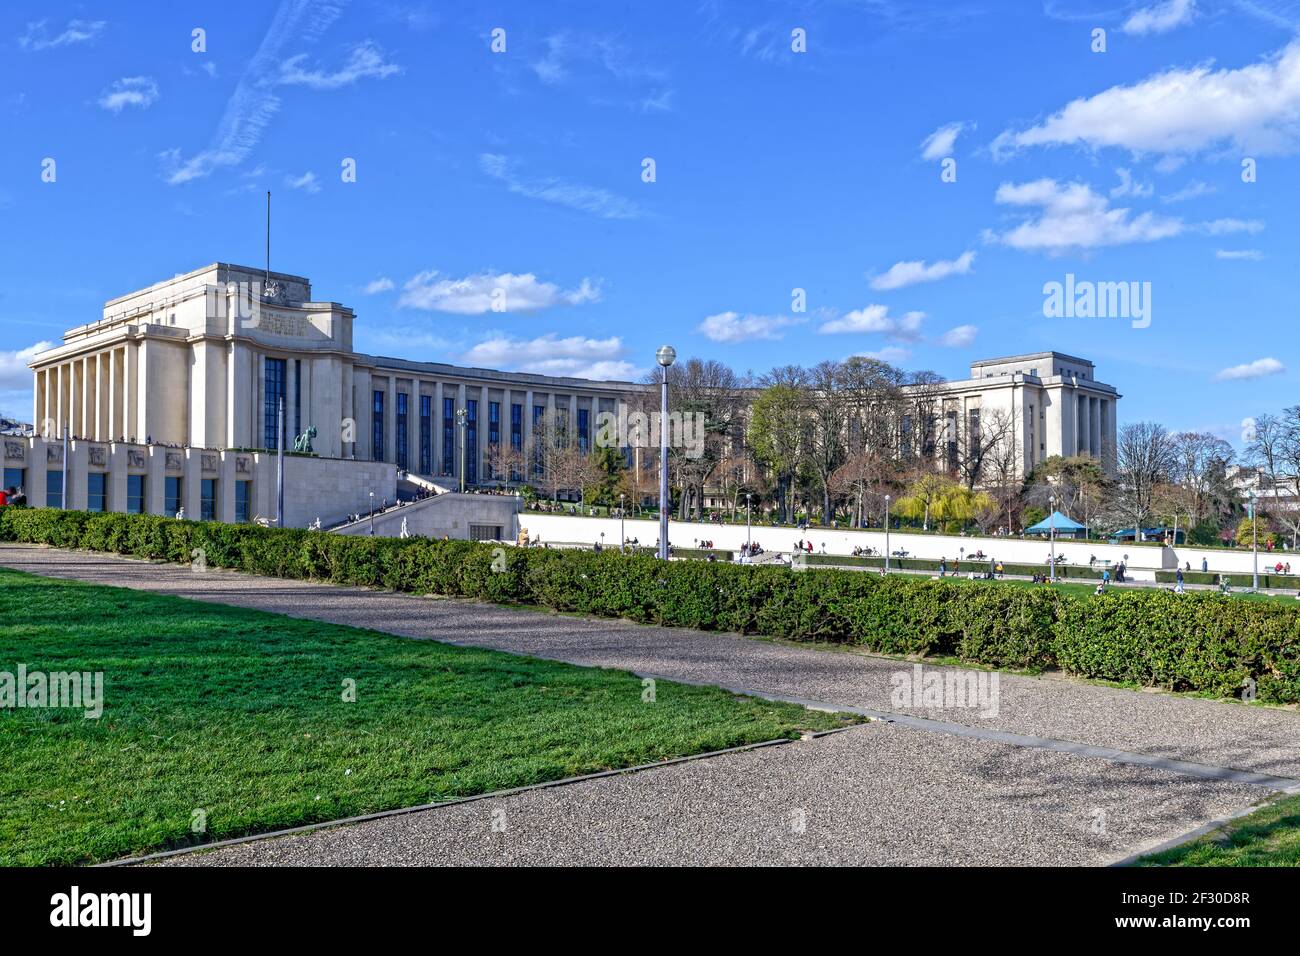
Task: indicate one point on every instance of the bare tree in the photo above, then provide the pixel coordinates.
(1144, 460)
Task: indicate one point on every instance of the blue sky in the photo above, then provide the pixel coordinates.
(775, 170)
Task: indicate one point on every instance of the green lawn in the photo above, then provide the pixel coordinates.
(1268, 837)
(239, 716)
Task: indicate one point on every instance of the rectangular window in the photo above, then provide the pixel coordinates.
(208, 499)
(584, 429)
(539, 416)
(243, 498)
(274, 389)
(516, 434)
(377, 428)
(403, 432)
(973, 433)
(135, 494)
(96, 499)
(426, 435)
(16, 478)
(471, 442)
(171, 496)
(449, 436)
(494, 433)
(54, 488)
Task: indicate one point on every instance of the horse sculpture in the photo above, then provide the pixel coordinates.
(303, 442)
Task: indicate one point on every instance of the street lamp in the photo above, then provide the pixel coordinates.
(665, 357)
(622, 513)
(1254, 543)
(886, 534)
(1051, 532)
(372, 514)
(462, 419)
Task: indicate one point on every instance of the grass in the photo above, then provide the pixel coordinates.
(239, 715)
(1268, 837)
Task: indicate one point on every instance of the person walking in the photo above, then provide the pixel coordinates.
(1178, 578)
(1205, 565)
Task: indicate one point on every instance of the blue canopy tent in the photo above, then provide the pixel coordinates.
(1065, 526)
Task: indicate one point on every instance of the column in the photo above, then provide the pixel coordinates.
(290, 380)
(528, 434)
(461, 458)
(37, 395)
(259, 408)
(130, 407)
(1095, 418)
(114, 415)
(60, 406)
(86, 403)
(571, 425)
(1084, 431)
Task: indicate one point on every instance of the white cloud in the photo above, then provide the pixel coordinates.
(959, 337)
(939, 144)
(382, 284)
(477, 294)
(876, 318)
(892, 354)
(590, 199)
(366, 60)
(734, 327)
(1252, 255)
(37, 36)
(254, 103)
(1130, 187)
(1256, 369)
(548, 355)
(14, 373)
(1193, 190)
(902, 274)
(1254, 109)
(307, 182)
(139, 91)
(1160, 17)
(1225, 227)
(1072, 217)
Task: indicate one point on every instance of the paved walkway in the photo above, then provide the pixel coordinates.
(1027, 786)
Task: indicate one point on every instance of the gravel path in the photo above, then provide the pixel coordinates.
(882, 793)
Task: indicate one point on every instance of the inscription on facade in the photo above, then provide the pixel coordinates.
(279, 323)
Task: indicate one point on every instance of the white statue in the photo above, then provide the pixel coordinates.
(262, 522)
(406, 531)
(180, 515)
(315, 525)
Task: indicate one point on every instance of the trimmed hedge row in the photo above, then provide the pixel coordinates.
(1199, 641)
(979, 566)
(1236, 579)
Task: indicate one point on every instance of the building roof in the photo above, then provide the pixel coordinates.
(1031, 355)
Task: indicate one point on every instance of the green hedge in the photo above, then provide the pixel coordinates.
(1063, 571)
(1285, 582)
(1197, 641)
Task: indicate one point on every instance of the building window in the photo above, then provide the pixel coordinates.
(208, 499)
(516, 434)
(135, 494)
(973, 433)
(494, 433)
(584, 429)
(539, 417)
(471, 442)
(377, 428)
(449, 436)
(96, 499)
(171, 496)
(243, 499)
(297, 397)
(274, 389)
(426, 435)
(403, 433)
(15, 478)
(54, 488)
